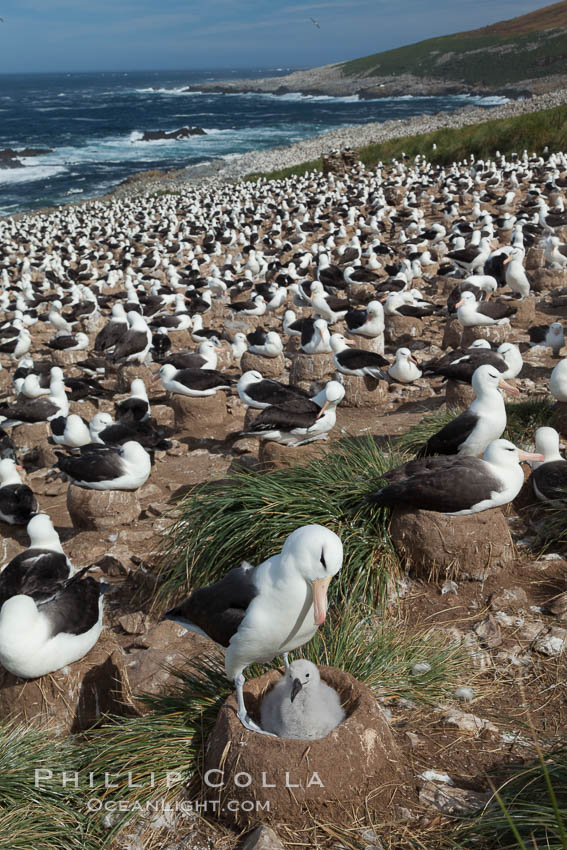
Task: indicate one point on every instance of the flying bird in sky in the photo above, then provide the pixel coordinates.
(315, 23)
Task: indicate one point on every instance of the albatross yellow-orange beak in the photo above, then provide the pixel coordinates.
(530, 456)
(319, 587)
(508, 387)
(323, 409)
(460, 304)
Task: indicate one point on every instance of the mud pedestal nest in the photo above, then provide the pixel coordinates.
(291, 781)
(199, 416)
(437, 546)
(101, 510)
(269, 367)
(273, 455)
(309, 369)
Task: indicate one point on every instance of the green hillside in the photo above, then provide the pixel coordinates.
(532, 131)
(531, 46)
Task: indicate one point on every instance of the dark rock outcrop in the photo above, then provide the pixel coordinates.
(182, 133)
(9, 158)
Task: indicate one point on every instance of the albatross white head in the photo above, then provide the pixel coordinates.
(9, 472)
(317, 554)
(547, 444)
(504, 455)
(487, 378)
(42, 535)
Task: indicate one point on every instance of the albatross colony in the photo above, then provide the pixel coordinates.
(122, 319)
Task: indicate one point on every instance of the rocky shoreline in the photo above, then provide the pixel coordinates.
(330, 80)
(236, 167)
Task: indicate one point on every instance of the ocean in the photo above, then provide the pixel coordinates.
(93, 123)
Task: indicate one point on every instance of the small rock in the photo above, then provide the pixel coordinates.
(552, 643)
(467, 722)
(506, 620)
(436, 776)
(559, 607)
(509, 597)
(413, 739)
(263, 838)
(466, 694)
(449, 587)
(134, 624)
(515, 657)
(177, 450)
(115, 566)
(480, 657)
(488, 632)
(452, 801)
(420, 668)
(531, 630)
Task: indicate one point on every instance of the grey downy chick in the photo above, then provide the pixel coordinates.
(301, 705)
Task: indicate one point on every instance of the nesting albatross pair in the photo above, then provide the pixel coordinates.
(257, 613)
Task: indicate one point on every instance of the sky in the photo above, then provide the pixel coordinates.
(125, 35)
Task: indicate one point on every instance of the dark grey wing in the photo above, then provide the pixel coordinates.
(357, 358)
(448, 439)
(300, 413)
(75, 608)
(495, 310)
(257, 337)
(35, 572)
(423, 465)
(356, 319)
(203, 379)
(18, 500)
(273, 392)
(448, 490)
(551, 479)
(462, 365)
(538, 333)
(110, 335)
(30, 410)
(220, 608)
(131, 409)
(130, 343)
(93, 464)
(7, 447)
(62, 343)
(307, 330)
(337, 304)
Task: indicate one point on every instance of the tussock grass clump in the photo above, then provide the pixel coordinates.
(530, 810)
(382, 654)
(525, 417)
(552, 531)
(416, 437)
(51, 816)
(248, 516)
(159, 754)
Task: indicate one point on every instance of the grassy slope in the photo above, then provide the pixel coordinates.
(531, 131)
(533, 45)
